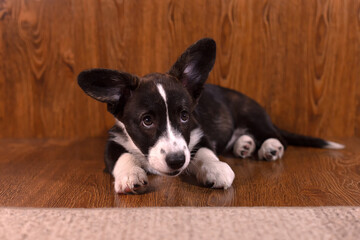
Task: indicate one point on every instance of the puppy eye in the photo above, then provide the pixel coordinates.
(147, 121)
(184, 116)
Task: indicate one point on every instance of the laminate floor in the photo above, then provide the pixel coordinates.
(68, 173)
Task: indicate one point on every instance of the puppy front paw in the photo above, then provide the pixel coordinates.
(215, 174)
(244, 146)
(271, 150)
(133, 180)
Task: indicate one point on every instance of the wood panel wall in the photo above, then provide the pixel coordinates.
(299, 58)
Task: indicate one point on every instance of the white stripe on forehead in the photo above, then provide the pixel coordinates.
(162, 93)
(170, 131)
(170, 141)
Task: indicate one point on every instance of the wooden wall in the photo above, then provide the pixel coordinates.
(299, 58)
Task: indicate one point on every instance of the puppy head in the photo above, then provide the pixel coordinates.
(156, 111)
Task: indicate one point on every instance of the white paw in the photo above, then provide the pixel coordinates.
(244, 146)
(132, 180)
(215, 174)
(271, 150)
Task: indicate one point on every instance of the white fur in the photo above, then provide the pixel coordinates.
(157, 158)
(271, 144)
(244, 146)
(130, 146)
(126, 141)
(195, 137)
(162, 93)
(236, 134)
(208, 169)
(128, 173)
(170, 142)
(334, 145)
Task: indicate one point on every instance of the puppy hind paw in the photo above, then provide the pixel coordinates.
(133, 181)
(271, 150)
(244, 146)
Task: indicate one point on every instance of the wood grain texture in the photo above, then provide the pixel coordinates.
(68, 173)
(299, 59)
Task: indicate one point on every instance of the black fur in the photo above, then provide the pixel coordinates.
(218, 111)
(222, 110)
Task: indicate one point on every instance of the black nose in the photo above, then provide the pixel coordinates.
(175, 160)
(273, 152)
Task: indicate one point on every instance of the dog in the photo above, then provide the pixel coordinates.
(170, 122)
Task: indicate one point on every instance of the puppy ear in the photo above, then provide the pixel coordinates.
(193, 67)
(109, 86)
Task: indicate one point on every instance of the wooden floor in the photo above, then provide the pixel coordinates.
(68, 173)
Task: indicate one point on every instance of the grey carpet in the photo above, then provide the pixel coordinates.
(181, 223)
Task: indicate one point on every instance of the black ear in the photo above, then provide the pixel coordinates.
(109, 86)
(194, 65)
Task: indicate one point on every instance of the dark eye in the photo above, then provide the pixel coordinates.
(184, 116)
(147, 121)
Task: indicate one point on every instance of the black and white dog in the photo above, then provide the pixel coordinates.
(169, 122)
